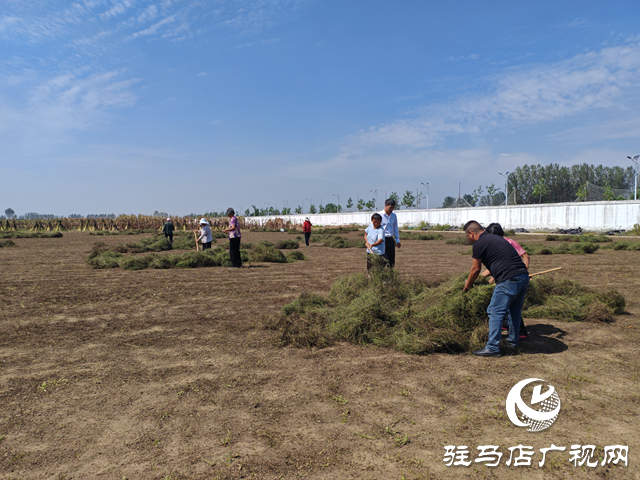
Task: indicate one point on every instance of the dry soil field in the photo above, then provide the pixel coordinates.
(169, 374)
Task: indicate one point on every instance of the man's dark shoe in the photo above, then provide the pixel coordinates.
(486, 353)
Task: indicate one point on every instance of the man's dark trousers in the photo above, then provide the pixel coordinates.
(390, 250)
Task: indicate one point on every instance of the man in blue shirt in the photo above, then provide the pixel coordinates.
(391, 231)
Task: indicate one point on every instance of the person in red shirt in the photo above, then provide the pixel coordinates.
(306, 228)
(496, 229)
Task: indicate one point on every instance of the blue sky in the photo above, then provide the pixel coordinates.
(131, 106)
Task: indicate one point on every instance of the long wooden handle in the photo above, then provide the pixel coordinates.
(546, 271)
(196, 237)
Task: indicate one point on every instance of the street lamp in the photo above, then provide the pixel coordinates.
(506, 183)
(338, 195)
(375, 192)
(309, 202)
(426, 186)
(635, 159)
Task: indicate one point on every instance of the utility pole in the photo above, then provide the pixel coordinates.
(506, 185)
(426, 185)
(635, 159)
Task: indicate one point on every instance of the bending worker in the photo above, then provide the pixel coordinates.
(512, 280)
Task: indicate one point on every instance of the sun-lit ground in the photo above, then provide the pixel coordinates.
(170, 374)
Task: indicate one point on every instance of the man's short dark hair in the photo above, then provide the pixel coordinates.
(496, 229)
(376, 216)
(390, 201)
(473, 226)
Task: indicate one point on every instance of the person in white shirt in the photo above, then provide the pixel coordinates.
(374, 241)
(206, 237)
(391, 231)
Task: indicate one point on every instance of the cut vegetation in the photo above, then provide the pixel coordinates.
(416, 318)
(102, 257)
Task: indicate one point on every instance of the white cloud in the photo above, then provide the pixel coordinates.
(117, 9)
(521, 96)
(202, 74)
(153, 28)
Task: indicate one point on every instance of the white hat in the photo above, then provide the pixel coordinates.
(203, 222)
(307, 219)
(168, 219)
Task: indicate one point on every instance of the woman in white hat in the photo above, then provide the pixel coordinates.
(205, 234)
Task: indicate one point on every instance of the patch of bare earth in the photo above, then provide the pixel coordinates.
(161, 374)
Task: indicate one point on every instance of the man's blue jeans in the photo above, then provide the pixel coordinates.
(508, 296)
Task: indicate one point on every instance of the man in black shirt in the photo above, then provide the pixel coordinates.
(512, 280)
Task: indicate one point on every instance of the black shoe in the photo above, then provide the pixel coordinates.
(486, 353)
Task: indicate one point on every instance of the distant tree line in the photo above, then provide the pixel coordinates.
(550, 184)
(555, 184)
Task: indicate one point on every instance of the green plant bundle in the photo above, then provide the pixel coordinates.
(287, 245)
(633, 246)
(563, 248)
(336, 230)
(217, 257)
(414, 318)
(7, 243)
(31, 235)
(336, 241)
(420, 236)
(262, 252)
(579, 238)
(101, 257)
(295, 255)
(458, 240)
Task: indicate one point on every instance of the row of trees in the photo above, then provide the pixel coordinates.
(408, 200)
(554, 183)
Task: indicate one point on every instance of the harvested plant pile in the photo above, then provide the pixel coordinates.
(623, 246)
(102, 257)
(157, 243)
(335, 241)
(563, 248)
(578, 238)
(420, 236)
(462, 240)
(287, 245)
(31, 235)
(415, 318)
(7, 243)
(336, 230)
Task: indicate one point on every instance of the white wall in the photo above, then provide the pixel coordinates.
(588, 215)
